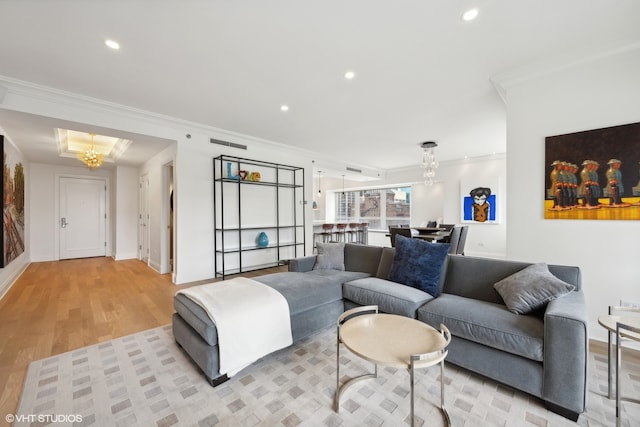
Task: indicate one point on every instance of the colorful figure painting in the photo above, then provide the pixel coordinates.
(593, 174)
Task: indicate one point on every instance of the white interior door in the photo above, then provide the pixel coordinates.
(83, 217)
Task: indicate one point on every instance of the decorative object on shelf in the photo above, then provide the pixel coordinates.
(429, 162)
(90, 157)
(244, 175)
(263, 240)
(256, 176)
(229, 174)
(314, 205)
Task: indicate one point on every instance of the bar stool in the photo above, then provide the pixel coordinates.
(318, 233)
(340, 232)
(327, 232)
(363, 233)
(353, 232)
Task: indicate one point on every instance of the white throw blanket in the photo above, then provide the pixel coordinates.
(251, 318)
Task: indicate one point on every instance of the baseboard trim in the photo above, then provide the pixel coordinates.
(12, 277)
(120, 257)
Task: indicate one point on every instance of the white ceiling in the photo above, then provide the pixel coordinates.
(421, 72)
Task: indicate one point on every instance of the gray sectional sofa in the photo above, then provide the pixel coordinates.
(543, 353)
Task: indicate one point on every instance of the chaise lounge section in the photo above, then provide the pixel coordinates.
(543, 353)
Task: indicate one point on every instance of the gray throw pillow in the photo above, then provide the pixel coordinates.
(330, 256)
(531, 288)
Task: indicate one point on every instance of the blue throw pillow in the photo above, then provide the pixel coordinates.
(417, 263)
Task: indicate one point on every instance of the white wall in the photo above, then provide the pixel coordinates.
(125, 223)
(591, 95)
(12, 271)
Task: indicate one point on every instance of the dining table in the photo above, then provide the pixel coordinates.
(428, 230)
(432, 234)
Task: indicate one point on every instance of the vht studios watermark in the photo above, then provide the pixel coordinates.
(43, 418)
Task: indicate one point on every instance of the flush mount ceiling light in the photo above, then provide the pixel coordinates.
(112, 44)
(349, 75)
(284, 108)
(470, 15)
(429, 162)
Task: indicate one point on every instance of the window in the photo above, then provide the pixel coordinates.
(380, 207)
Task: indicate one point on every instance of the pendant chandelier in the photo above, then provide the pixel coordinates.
(429, 162)
(90, 157)
(319, 189)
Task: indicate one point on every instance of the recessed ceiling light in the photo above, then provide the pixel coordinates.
(112, 44)
(284, 108)
(470, 15)
(349, 75)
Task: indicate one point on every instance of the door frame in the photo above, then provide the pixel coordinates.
(56, 216)
(144, 238)
(168, 182)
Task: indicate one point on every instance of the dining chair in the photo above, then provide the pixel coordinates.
(394, 231)
(453, 240)
(463, 239)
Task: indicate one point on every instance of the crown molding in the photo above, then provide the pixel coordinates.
(503, 81)
(454, 162)
(10, 86)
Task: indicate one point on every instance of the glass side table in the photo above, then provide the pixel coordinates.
(624, 325)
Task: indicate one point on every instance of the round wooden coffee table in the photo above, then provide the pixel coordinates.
(391, 340)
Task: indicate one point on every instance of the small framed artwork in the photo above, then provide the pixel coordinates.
(480, 201)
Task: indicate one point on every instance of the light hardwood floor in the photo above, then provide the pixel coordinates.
(58, 306)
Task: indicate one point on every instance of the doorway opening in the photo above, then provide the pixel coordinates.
(169, 215)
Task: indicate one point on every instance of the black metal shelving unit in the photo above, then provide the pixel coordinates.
(245, 207)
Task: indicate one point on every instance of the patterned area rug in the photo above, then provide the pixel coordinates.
(145, 379)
